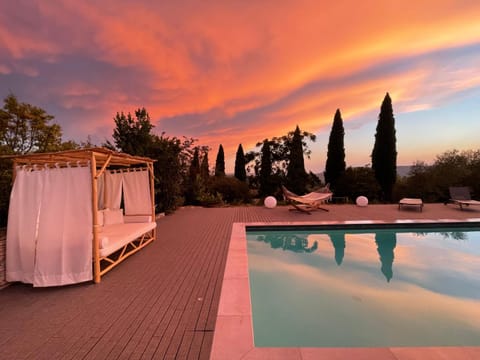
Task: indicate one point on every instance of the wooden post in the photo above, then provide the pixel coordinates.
(100, 173)
(95, 244)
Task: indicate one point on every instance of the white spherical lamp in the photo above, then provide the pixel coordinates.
(270, 202)
(362, 201)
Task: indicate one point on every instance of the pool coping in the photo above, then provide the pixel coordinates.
(233, 337)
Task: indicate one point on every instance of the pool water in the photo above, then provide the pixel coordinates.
(365, 288)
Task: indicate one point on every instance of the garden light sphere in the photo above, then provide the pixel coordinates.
(270, 202)
(362, 201)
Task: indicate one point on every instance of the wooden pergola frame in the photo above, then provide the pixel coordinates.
(100, 159)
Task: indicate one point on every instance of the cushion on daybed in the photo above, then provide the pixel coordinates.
(115, 236)
(112, 216)
(137, 218)
(100, 217)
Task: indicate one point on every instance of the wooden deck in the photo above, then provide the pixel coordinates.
(162, 302)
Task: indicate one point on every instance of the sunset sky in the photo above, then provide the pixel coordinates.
(229, 72)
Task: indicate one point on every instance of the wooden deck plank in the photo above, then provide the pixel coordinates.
(207, 342)
(127, 335)
(149, 307)
(197, 297)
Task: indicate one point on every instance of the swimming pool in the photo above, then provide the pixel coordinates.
(373, 286)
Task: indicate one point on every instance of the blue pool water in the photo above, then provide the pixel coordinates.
(365, 288)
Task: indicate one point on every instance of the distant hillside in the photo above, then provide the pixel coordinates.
(402, 170)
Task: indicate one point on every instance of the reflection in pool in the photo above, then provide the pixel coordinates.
(365, 288)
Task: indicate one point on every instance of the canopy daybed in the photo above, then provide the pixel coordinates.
(65, 212)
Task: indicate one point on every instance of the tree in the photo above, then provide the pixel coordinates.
(266, 187)
(418, 183)
(455, 168)
(280, 153)
(132, 135)
(195, 166)
(5, 189)
(173, 166)
(335, 165)
(171, 170)
(384, 154)
(220, 163)
(240, 172)
(193, 182)
(25, 128)
(204, 168)
(359, 181)
(296, 174)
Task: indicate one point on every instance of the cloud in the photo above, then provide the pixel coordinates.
(4, 70)
(226, 72)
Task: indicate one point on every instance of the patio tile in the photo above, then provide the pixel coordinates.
(347, 354)
(233, 338)
(434, 353)
(235, 297)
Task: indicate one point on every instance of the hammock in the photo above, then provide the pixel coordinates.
(308, 202)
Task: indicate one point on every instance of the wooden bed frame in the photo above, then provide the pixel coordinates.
(100, 159)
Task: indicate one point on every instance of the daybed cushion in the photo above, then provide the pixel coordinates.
(411, 201)
(112, 216)
(137, 218)
(115, 236)
(100, 217)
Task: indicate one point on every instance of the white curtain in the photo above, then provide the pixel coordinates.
(49, 234)
(22, 228)
(113, 190)
(64, 244)
(136, 193)
(101, 191)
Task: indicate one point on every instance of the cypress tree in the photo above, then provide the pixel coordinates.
(296, 174)
(220, 162)
(335, 165)
(266, 170)
(195, 166)
(191, 191)
(240, 172)
(204, 171)
(384, 154)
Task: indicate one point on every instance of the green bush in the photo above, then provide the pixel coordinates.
(5, 189)
(232, 190)
(358, 181)
(451, 168)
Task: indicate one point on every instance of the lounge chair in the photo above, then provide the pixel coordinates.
(308, 202)
(460, 195)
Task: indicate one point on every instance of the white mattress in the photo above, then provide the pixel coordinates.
(115, 236)
(411, 201)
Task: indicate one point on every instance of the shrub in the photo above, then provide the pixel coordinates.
(5, 188)
(232, 190)
(358, 181)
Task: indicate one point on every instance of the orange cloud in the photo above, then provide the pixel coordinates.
(232, 73)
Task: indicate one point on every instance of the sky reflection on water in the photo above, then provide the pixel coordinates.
(376, 288)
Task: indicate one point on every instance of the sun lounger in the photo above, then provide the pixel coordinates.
(410, 202)
(308, 202)
(460, 195)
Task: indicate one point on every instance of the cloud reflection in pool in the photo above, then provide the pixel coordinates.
(371, 288)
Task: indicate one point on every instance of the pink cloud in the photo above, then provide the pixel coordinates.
(228, 72)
